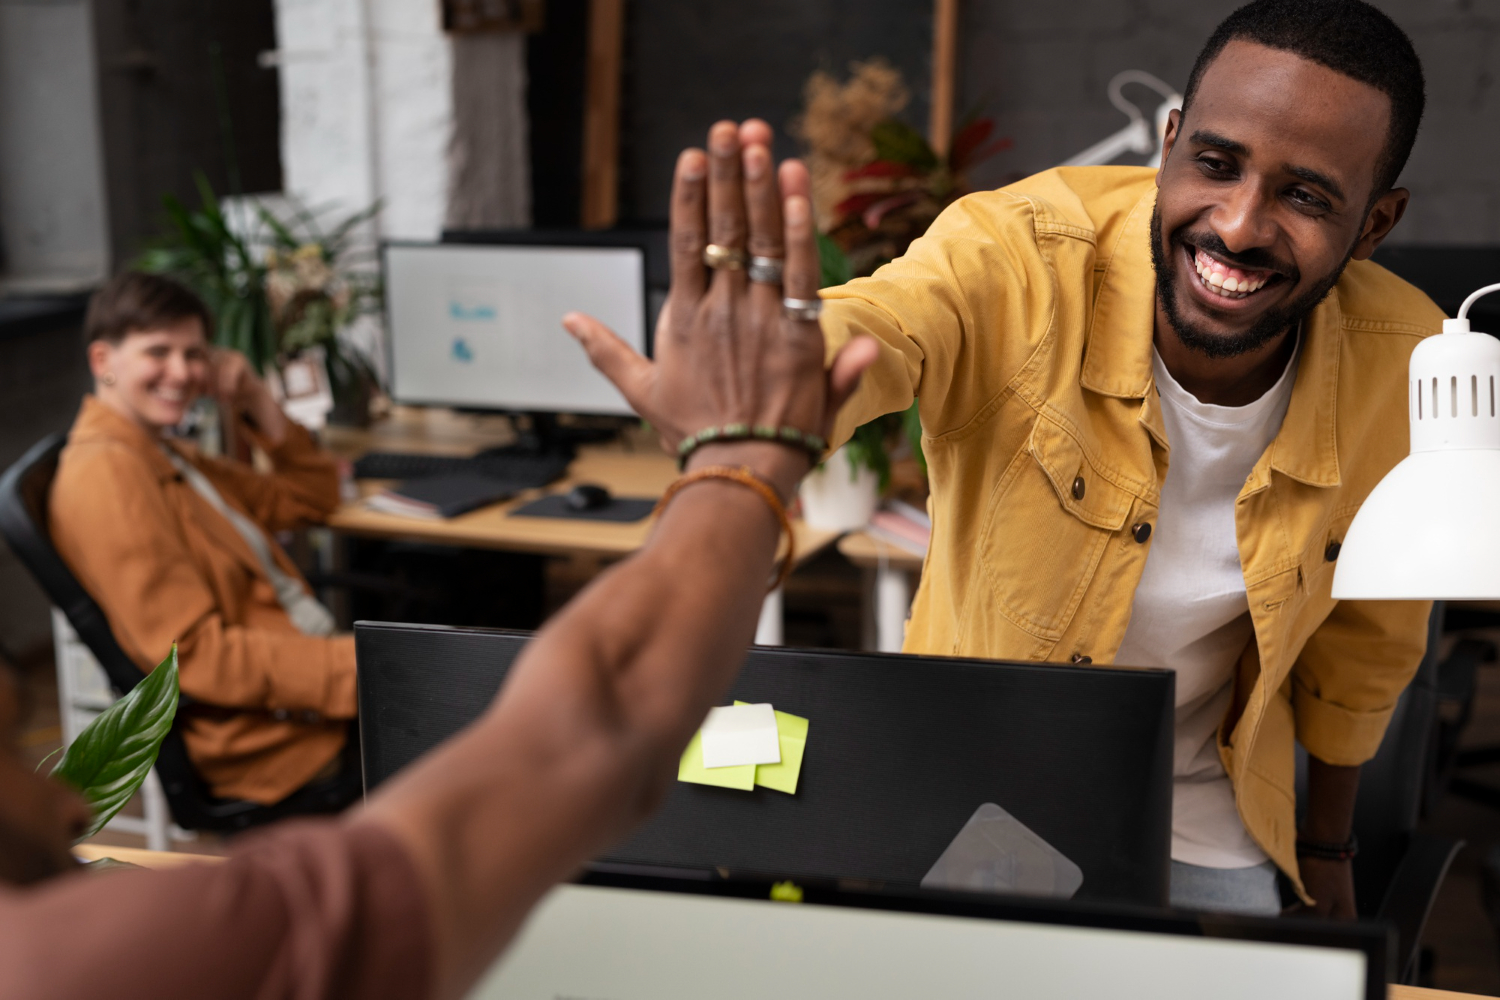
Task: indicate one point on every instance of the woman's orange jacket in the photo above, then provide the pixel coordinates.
(165, 566)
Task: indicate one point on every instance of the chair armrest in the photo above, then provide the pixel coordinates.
(1408, 901)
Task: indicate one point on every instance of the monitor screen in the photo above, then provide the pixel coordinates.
(600, 941)
(480, 326)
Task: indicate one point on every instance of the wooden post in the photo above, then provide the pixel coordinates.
(944, 58)
(601, 114)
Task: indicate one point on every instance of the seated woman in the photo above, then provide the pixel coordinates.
(176, 547)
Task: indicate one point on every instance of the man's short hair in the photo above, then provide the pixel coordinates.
(133, 302)
(1349, 37)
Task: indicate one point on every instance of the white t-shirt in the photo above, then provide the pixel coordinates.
(1191, 613)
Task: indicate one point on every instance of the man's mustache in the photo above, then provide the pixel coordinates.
(1253, 259)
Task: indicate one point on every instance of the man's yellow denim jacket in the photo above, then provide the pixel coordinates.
(1023, 322)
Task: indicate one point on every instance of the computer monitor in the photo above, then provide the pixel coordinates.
(480, 326)
(622, 936)
(902, 751)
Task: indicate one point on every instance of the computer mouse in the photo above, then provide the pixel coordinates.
(587, 496)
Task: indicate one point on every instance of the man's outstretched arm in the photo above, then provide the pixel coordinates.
(586, 733)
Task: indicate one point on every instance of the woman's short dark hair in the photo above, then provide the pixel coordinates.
(133, 302)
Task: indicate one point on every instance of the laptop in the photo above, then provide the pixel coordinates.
(902, 753)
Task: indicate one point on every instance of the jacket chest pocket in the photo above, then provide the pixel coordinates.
(1049, 519)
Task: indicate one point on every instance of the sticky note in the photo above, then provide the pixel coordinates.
(691, 769)
(792, 734)
(735, 735)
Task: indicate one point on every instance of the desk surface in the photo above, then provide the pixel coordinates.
(169, 859)
(868, 552)
(634, 468)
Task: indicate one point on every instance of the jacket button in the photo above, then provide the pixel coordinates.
(1141, 531)
(1082, 658)
(1079, 488)
(1332, 552)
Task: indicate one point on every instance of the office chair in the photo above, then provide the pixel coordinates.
(23, 522)
(1399, 869)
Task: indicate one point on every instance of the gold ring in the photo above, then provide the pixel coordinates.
(724, 258)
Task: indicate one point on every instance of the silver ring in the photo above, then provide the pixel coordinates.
(806, 310)
(766, 270)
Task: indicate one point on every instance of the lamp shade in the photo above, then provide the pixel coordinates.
(1431, 528)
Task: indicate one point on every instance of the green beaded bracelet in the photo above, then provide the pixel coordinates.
(814, 445)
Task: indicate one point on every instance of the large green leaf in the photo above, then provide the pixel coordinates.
(114, 753)
(837, 269)
(900, 143)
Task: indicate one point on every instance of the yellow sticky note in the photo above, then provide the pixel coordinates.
(691, 768)
(792, 731)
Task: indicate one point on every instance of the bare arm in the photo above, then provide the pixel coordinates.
(585, 736)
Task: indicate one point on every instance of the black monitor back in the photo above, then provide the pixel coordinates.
(901, 751)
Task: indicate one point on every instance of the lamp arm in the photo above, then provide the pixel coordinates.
(1463, 310)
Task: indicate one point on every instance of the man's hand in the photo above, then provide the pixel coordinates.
(1331, 885)
(240, 391)
(725, 350)
(1329, 819)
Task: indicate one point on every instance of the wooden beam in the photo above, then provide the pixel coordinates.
(944, 60)
(601, 114)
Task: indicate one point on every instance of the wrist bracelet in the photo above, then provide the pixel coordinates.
(811, 443)
(745, 477)
(1327, 851)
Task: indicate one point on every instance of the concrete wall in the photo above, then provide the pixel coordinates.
(54, 230)
(367, 108)
(1041, 69)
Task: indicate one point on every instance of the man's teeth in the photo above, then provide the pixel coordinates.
(1230, 282)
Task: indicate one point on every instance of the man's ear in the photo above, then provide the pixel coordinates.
(1382, 218)
(1169, 139)
(98, 354)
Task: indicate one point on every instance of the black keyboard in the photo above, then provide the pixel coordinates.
(523, 471)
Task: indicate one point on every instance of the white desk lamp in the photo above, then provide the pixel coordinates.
(1431, 528)
(1136, 137)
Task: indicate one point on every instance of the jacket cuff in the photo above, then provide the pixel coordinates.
(1343, 737)
(297, 441)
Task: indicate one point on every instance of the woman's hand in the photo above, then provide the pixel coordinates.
(240, 391)
(726, 352)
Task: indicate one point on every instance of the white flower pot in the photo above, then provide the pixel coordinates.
(838, 497)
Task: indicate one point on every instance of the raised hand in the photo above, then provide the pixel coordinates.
(240, 391)
(727, 352)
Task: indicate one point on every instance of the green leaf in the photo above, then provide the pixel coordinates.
(899, 142)
(911, 423)
(114, 753)
(837, 269)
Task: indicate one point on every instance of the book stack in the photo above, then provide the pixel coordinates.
(903, 526)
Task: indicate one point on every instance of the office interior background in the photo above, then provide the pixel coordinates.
(570, 118)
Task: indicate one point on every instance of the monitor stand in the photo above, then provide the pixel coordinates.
(541, 435)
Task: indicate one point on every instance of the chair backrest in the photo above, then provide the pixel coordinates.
(24, 489)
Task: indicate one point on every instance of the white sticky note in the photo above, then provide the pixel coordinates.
(735, 735)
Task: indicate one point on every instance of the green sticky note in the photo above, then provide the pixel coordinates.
(792, 732)
(691, 768)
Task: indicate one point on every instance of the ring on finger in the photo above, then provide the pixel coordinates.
(724, 258)
(766, 270)
(806, 310)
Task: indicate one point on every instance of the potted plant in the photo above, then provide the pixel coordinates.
(279, 289)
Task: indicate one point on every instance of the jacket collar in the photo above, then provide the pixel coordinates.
(98, 421)
(1117, 358)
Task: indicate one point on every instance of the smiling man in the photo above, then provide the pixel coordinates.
(1153, 401)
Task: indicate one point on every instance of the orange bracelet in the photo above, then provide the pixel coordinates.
(745, 477)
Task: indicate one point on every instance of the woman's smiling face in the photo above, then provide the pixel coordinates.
(153, 376)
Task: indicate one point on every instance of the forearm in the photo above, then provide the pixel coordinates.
(1331, 791)
(586, 733)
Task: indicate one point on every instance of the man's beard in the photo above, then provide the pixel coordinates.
(1266, 329)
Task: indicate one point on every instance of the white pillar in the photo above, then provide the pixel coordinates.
(770, 629)
(892, 605)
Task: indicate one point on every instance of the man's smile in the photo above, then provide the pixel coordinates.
(1221, 285)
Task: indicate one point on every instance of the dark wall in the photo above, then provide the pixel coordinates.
(181, 90)
(689, 63)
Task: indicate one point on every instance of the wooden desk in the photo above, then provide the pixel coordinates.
(889, 603)
(635, 467)
(169, 859)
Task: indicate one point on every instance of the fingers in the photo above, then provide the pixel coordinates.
(615, 359)
(763, 202)
(726, 193)
(803, 273)
(843, 375)
(689, 233)
(755, 132)
(795, 179)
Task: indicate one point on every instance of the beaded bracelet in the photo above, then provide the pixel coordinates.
(1346, 851)
(809, 442)
(745, 477)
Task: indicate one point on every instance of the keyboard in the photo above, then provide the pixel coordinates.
(523, 471)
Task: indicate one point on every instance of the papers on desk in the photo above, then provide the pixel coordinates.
(743, 745)
(440, 497)
(903, 526)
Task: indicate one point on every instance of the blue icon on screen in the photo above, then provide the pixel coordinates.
(477, 312)
(461, 351)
